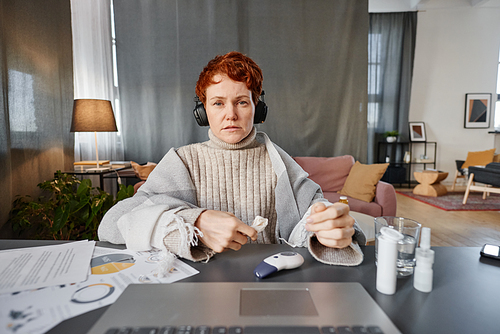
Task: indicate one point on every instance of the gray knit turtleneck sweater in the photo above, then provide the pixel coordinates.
(247, 179)
(236, 178)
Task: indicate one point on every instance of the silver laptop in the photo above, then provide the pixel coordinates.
(246, 308)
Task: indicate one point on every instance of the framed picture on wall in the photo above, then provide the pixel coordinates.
(417, 131)
(477, 111)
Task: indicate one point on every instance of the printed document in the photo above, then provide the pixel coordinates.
(38, 267)
(111, 271)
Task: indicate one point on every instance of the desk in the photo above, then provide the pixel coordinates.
(464, 299)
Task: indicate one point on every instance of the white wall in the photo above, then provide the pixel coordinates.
(457, 52)
(384, 6)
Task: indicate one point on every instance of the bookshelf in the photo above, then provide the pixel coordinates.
(400, 169)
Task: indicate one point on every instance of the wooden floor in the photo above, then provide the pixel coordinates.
(452, 228)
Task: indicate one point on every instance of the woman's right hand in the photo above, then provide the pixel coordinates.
(223, 230)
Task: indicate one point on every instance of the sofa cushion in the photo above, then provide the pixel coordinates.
(479, 158)
(329, 173)
(362, 181)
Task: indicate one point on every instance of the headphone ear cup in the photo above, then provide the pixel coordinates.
(260, 112)
(200, 113)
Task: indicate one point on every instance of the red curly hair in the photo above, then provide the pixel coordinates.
(237, 67)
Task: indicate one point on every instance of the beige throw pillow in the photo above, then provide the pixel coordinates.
(362, 181)
(479, 158)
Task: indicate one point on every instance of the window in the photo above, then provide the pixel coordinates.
(497, 104)
(116, 91)
(21, 102)
(374, 79)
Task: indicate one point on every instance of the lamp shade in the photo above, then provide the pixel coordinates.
(91, 115)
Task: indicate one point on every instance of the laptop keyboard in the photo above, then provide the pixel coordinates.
(247, 330)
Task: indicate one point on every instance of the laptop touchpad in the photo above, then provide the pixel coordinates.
(276, 302)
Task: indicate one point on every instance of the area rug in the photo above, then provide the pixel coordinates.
(453, 201)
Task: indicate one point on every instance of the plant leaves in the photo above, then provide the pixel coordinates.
(84, 187)
(60, 218)
(72, 210)
(124, 192)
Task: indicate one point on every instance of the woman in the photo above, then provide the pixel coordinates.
(201, 199)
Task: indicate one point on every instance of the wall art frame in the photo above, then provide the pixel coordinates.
(417, 131)
(477, 110)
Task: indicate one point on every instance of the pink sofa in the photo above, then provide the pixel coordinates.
(331, 173)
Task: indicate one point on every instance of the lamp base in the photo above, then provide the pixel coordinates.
(97, 170)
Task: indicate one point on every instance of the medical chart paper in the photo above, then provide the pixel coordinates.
(38, 267)
(111, 271)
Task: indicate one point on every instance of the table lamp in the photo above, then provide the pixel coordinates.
(92, 115)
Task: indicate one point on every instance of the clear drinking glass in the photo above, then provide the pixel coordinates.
(406, 247)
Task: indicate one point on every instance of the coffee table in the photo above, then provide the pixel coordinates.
(429, 183)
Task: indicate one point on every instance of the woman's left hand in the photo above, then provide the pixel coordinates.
(333, 225)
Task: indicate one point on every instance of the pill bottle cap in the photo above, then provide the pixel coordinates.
(391, 234)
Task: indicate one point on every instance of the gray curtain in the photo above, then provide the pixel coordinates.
(312, 52)
(391, 52)
(37, 96)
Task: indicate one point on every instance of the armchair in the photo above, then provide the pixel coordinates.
(460, 173)
(477, 158)
(488, 175)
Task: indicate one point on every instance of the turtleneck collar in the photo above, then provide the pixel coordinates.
(245, 143)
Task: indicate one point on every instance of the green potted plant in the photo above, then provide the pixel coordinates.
(391, 136)
(73, 211)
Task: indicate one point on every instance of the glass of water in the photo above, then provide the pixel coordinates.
(406, 247)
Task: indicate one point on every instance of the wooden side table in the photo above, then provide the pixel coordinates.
(429, 183)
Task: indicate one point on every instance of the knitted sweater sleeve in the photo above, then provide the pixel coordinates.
(148, 215)
(348, 256)
(305, 193)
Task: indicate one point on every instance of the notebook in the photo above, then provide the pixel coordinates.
(246, 305)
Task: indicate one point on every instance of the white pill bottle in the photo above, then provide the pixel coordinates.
(387, 255)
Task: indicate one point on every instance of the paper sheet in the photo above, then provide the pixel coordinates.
(37, 311)
(38, 267)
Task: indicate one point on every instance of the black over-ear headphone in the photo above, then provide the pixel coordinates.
(200, 114)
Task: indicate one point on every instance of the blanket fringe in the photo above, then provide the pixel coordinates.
(165, 265)
(189, 237)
